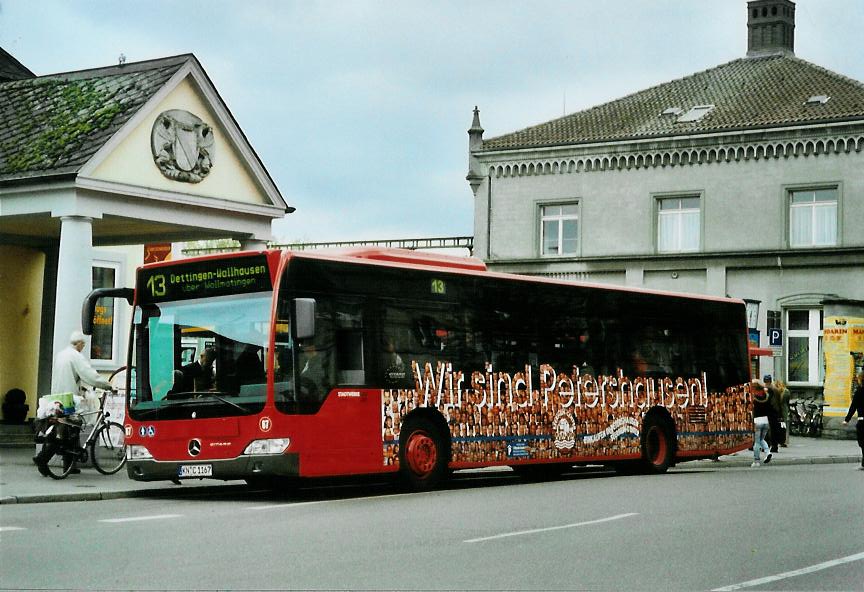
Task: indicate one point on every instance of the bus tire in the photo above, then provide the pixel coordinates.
(658, 451)
(422, 454)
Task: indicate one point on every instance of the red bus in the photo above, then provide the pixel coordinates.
(273, 365)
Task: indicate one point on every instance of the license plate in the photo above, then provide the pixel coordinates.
(195, 471)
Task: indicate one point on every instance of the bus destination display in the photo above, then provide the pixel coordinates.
(202, 279)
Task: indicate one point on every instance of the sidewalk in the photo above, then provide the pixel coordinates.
(21, 483)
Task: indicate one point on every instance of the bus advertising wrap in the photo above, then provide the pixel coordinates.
(496, 416)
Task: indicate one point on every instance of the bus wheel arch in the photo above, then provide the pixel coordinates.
(658, 441)
(424, 449)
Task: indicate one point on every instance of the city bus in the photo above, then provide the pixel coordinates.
(379, 361)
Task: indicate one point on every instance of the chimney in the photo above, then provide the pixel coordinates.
(770, 28)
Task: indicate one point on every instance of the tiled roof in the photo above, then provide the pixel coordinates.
(52, 125)
(749, 93)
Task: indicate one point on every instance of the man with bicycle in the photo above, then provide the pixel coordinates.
(857, 406)
(71, 369)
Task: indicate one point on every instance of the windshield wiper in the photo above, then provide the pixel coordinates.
(189, 399)
(224, 400)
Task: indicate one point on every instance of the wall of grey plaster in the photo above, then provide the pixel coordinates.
(744, 204)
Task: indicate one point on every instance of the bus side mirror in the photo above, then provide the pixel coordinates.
(89, 307)
(304, 318)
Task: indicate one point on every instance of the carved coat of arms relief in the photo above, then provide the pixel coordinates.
(182, 146)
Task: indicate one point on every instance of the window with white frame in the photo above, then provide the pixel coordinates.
(102, 343)
(678, 224)
(804, 356)
(559, 229)
(813, 217)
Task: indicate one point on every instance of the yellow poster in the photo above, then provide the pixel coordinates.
(840, 337)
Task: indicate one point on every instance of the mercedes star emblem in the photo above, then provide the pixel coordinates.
(194, 447)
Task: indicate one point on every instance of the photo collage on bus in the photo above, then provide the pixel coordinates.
(497, 417)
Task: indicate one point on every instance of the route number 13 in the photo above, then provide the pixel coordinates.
(156, 284)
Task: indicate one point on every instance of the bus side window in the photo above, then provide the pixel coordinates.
(350, 354)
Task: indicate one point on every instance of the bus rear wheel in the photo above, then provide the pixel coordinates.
(657, 448)
(422, 454)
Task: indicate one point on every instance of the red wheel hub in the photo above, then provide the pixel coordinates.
(421, 453)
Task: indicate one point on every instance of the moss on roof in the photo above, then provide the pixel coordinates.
(54, 124)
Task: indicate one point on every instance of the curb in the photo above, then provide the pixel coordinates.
(815, 460)
(191, 491)
(110, 495)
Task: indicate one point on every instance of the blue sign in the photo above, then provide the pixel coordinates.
(517, 450)
(775, 337)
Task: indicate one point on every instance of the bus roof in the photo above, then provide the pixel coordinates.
(416, 260)
(411, 259)
(408, 256)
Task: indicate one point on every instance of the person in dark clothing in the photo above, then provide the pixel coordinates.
(198, 375)
(857, 406)
(762, 411)
(774, 419)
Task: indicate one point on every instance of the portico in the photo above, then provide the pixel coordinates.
(93, 165)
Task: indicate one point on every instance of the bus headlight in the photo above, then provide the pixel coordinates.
(270, 446)
(135, 452)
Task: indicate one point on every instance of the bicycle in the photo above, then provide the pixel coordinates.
(805, 417)
(105, 444)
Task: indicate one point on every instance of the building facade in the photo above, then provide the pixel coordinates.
(95, 164)
(743, 180)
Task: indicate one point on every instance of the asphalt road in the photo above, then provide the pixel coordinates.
(774, 528)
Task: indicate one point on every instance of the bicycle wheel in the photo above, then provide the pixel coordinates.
(56, 461)
(108, 448)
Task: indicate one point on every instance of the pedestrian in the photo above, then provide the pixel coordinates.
(72, 368)
(762, 410)
(784, 411)
(774, 419)
(857, 406)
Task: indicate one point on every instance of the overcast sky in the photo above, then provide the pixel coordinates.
(359, 109)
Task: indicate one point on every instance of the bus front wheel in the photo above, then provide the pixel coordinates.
(657, 447)
(422, 455)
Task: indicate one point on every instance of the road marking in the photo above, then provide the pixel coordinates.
(535, 530)
(141, 518)
(334, 501)
(294, 505)
(793, 573)
(9, 528)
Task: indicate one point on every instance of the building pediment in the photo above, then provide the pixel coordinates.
(148, 151)
(184, 143)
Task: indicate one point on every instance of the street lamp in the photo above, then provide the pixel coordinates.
(752, 310)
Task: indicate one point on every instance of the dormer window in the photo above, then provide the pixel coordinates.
(817, 100)
(696, 113)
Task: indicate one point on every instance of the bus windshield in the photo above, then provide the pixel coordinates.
(203, 357)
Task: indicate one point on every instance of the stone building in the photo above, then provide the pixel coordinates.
(94, 164)
(746, 180)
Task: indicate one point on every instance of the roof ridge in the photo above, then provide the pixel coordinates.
(825, 70)
(632, 94)
(127, 68)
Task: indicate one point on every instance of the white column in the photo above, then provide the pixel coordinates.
(74, 276)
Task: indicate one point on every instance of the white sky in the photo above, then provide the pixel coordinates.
(359, 109)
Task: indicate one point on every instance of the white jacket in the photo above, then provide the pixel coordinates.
(71, 368)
